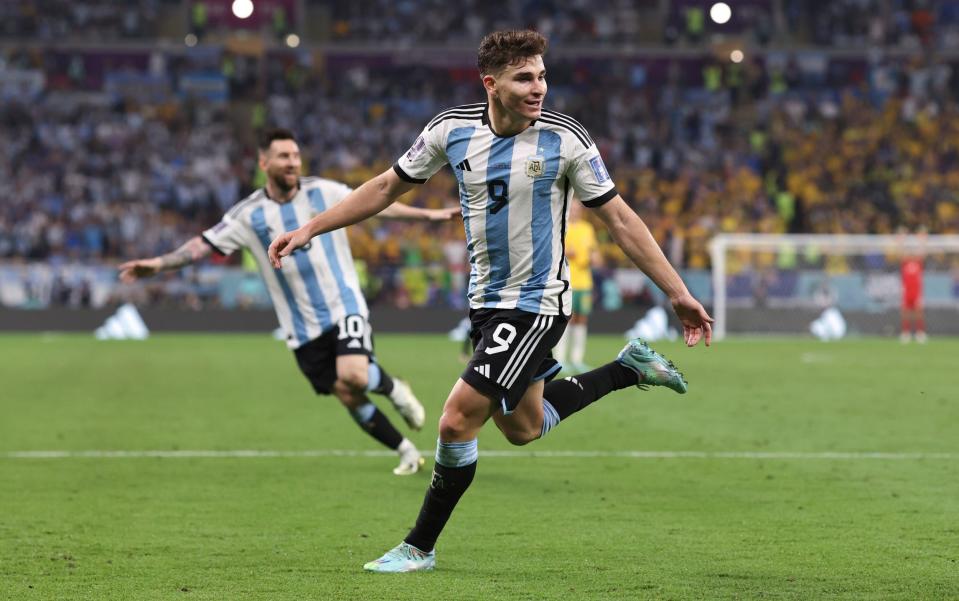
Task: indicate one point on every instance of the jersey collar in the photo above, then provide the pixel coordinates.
(489, 125)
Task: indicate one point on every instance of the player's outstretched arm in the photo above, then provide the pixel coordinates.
(362, 203)
(398, 210)
(632, 235)
(192, 251)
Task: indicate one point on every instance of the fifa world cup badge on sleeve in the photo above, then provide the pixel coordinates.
(417, 149)
(535, 166)
(599, 169)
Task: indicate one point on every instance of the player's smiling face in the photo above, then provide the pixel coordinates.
(521, 87)
(281, 163)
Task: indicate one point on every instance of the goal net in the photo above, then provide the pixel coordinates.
(780, 284)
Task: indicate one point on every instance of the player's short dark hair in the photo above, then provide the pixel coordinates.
(274, 133)
(501, 49)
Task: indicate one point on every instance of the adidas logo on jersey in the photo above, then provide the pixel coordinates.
(354, 344)
(464, 166)
(482, 370)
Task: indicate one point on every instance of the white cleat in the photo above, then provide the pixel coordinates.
(410, 460)
(402, 558)
(407, 404)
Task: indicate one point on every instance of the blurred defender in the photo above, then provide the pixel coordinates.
(582, 253)
(517, 165)
(316, 296)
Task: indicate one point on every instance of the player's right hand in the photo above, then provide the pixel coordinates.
(140, 268)
(697, 324)
(285, 244)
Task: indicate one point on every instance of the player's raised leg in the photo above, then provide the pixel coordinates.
(544, 406)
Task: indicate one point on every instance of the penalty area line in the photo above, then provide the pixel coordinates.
(254, 454)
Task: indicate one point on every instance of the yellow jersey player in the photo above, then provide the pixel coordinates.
(582, 253)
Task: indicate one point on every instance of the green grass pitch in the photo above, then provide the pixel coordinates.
(801, 513)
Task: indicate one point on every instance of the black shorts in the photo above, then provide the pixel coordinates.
(317, 358)
(511, 349)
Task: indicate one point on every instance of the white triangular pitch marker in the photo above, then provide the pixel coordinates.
(125, 324)
(653, 326)
(829, 326)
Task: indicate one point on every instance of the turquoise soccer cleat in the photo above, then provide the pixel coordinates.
(652, 368)
(403, 558)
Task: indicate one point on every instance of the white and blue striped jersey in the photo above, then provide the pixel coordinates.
(514, 196)
(317, 285)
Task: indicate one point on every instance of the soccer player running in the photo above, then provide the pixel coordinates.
(316, 296)
(582, 253)
(517, 165)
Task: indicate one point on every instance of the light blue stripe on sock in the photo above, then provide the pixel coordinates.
(457, 454)
(364, 412)
(373, 376)
(550, 418)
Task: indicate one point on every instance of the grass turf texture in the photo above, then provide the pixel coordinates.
(529, 527)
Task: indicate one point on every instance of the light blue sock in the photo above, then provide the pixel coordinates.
(550, 418)
(373, 377)
(364, 413)
(457, 454)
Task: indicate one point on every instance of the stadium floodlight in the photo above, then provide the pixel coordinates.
(737, 56)
(242, 9)
(720, 12)
(777, 283)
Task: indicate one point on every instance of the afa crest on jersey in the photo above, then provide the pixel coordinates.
(535, 166)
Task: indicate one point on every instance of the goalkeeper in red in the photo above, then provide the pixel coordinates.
(518, 166)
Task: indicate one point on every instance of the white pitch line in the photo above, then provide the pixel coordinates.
(242, 453)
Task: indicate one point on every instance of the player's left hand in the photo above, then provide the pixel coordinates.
(697, 324)
(286, 243)
(444, 214)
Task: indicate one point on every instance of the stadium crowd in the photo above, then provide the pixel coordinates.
(778, 143)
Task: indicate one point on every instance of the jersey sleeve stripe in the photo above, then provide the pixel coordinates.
(463, 107)
(601, 199)
(235, 210)
(468, 116)
(569, 121)
(585, 141)
(406, 178)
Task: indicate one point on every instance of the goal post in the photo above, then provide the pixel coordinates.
(778, 283)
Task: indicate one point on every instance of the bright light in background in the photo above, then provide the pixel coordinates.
(736, 56)
(719, 12)
(242, 8)
(292, 40)
(190, 40)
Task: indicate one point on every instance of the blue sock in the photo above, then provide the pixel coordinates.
(457, 454)
(550, 418)
(377, 380)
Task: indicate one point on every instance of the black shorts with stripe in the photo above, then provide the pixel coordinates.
(317, 358)
(511, 350)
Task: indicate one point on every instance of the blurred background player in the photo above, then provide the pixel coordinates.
(582, 253)
(913, 323)
(316, 296)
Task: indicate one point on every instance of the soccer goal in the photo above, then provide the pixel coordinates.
(780, 284)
